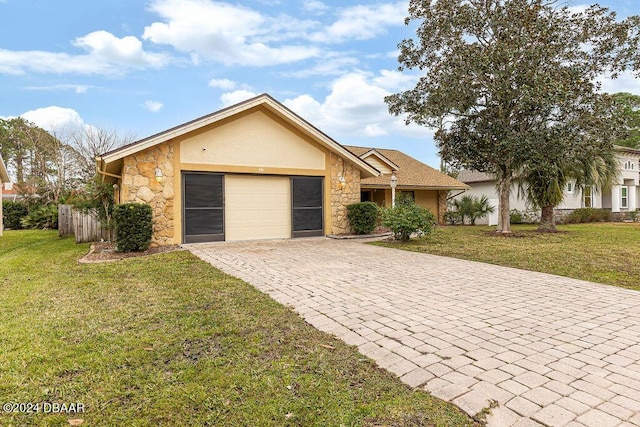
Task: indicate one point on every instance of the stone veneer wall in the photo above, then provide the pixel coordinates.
(139, 185)
(442, 205)
(343, 197)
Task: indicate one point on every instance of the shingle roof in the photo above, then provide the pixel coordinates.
(411, 172)
(468, 176)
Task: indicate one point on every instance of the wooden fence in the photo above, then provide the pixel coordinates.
(84, 226)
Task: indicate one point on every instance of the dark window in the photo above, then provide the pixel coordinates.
(307, 212)
(365, 196)
(203, 207)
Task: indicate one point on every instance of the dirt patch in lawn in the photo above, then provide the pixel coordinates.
(106, 252)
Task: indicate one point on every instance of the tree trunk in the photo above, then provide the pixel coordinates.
(547, 221)
(504, 220)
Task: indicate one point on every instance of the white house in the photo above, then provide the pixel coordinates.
(4, 177)
(622, 196)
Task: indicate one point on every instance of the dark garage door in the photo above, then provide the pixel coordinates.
(203, 207)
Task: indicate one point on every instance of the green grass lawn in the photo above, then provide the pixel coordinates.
(603, 252)
(169, 340)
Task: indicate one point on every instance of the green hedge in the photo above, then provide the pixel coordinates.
(12, 213)
(588, 215)
(363, 217)
(134, 226)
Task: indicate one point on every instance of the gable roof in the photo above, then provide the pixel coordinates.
(260, 101)
(469, 176)
(411, 173)
(4, 176)
(385, 160)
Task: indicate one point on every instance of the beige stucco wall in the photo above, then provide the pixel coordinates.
(139, 185)
(427, 199)
(253, 140)
(342, 196)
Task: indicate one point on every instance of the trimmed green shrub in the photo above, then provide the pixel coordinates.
(363, 217)
(12, 213)
(588, 215)
(407, 218)
(516, 217)
(134, 226)
(43, 217)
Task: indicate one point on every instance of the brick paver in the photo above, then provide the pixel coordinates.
(547, 350)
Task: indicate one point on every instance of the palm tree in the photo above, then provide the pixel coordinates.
(543, 184)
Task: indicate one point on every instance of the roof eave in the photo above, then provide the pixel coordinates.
(4, 175)
(417, 187)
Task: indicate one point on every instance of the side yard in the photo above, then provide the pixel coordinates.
(169, 340)
(599, 252)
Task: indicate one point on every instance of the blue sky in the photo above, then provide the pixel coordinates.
(142, 66)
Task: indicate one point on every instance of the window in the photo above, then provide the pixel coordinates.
(629, 165)
(624, 193)
(588, 199)
(407, 194)
(569, 187)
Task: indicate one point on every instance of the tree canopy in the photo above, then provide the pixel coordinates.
(48, 166)
(629, 107)
(506, 81)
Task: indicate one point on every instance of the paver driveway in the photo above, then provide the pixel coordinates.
(545, 349)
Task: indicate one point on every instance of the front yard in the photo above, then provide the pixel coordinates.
(169, 340)
(599, 252)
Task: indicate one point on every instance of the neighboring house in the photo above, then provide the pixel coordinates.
(9, 192)
(4, 177)
(621, 197)
(254, 170)
(427, 186)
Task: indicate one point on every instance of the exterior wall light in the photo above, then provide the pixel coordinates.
(159, 176)
(343, 182)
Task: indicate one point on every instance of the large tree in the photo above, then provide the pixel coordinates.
(586, 158)
(500, 76)
(629, 105)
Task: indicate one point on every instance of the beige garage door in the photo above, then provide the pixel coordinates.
(257, 207)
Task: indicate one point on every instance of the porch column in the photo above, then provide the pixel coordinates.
(615, 198)
(631, 194)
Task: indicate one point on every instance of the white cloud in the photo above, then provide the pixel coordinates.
(153, 106)
(355, 108)
(224, 84)
(330, 66)
(231, 98)
(363, 22)
(74, 87)
(107, 54)
(226, 33)
(314, 6)
(625, 83)
(55, 119)
(125, 51)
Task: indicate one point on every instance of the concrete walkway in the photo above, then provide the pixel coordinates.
(546, 350)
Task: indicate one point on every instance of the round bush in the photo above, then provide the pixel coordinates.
(363, 217)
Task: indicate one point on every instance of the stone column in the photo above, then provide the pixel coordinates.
(342, 194)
